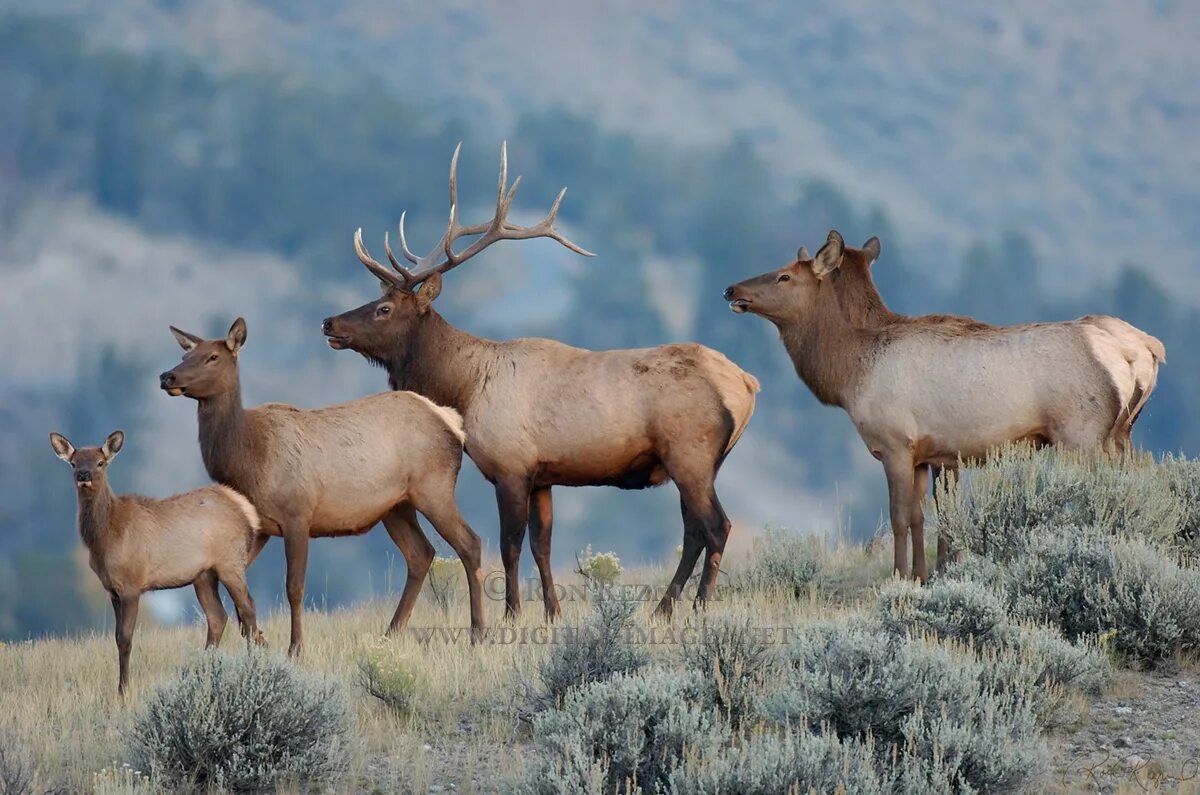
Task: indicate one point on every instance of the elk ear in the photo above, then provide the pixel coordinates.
(237, 335)
(113, 444)
(430, 289)
(185, 340)
(62, 448)
(829, 258)
(802, 254)
(871, 248)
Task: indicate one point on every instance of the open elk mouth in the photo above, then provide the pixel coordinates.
(739, 305)
(338, 343)
(174, 391)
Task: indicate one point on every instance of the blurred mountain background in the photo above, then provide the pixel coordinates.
(188, 162)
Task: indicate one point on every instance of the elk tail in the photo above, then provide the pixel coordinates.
(244, 506)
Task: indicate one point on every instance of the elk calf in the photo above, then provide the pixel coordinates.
(335, 471)
(138, 544)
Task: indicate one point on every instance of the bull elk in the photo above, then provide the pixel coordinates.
(933, 391)
(137, 544)
(540, 414)
(334, 471)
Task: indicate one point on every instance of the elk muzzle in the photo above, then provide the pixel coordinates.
(335, 341)
(737, 303)
(166, 382)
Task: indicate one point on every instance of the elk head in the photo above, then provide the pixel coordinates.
(791, 291)
(209, 367)
(375, 328)
(88, 463)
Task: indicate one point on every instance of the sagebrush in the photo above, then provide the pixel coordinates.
(241, 722)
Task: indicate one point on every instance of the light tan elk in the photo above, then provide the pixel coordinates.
(540, 413)
(932, 392)
(1118, 342)
(333, 471)
(138, 544)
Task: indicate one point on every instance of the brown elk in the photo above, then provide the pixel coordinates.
(138, 544)
(934, 391)
(333, 471)
(539, 413)
(863, 305)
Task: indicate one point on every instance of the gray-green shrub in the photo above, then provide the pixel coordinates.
(735, 660)
(241, 722)
(782, 562)
(990, 509)
(622, 734)
(598, 649)
(1143, 603)
(931, 703)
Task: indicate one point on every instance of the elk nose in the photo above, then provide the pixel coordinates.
(82, 477)
(326, 325)
(729, 292)
(166, 379)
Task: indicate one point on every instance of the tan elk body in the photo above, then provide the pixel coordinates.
(333, 471)
(539, 413)
(934, 392)
(138, 544)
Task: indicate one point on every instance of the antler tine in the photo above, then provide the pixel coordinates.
(404, 272)
(442, 258)
(396, 280)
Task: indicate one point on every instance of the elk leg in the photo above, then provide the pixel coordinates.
(916, 519)
(541, 521)
(513, 498)
(210, 603)
(402, 526)
(444, 516)
(127, 611)
(295, 549)
(693, 543)
(234, 581)
(899, 471)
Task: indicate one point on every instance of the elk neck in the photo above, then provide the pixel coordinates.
(222, 422)
(95, 510)
(830, 355)
(441, 362)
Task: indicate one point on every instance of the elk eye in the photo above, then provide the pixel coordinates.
(100, 464)
(783, 277)
(213, 358)
(384, 309)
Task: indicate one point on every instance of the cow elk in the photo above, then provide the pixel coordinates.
(138, 544)
(334, 471)
(937, 390)
(540, 414)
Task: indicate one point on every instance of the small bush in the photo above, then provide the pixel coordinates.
(767, 763)
(781, 562)
(735, 660)
(241, 722)
(1089, 584)
(16, 771)
(623, 734)
(385, 677)
(931, 706)
(992, 508)
(442, 585)
(596, 650)
(598, 568)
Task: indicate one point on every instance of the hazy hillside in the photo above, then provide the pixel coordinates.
(187, 163)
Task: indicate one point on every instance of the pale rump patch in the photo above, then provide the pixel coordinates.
(243, 505)
(451, 417)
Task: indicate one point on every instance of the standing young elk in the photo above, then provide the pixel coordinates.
(138, 544)
(539, 413)
(1131, 356)
(333, 471)
(935, 391)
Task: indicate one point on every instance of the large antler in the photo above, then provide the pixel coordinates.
(443, 257)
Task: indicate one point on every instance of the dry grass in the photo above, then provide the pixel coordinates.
(59, 695)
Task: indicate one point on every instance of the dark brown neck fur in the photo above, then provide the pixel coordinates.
(445, 364)
(95, 510)
(222, 422)
(829, 354)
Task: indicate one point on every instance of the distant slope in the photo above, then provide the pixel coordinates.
(1079, 128)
